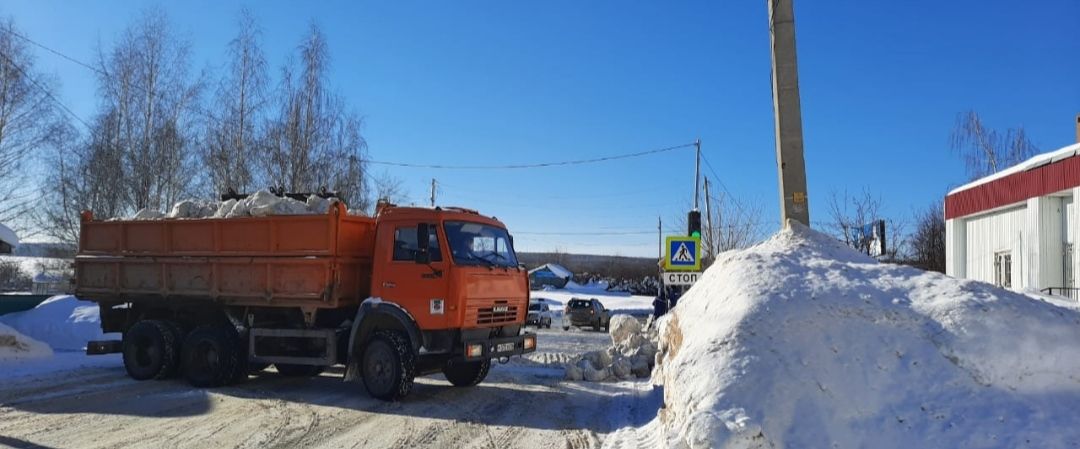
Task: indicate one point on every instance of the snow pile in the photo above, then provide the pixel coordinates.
(16, 346)
(8, 236)
(259, 204)
(631, 355)
(63, 322)
(800, 342)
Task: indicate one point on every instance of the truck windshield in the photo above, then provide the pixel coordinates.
(480, 244)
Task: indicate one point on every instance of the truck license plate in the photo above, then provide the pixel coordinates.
(504, 347)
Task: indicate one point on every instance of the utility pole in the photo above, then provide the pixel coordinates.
(787, 113)
(710, 242)
(659, 256)
(432, 193)
(697, 172)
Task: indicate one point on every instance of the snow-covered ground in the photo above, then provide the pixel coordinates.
(89, 402)
(800, 342)
(614, 301)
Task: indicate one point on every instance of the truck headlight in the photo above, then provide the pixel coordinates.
(474, 350)
(530, 342)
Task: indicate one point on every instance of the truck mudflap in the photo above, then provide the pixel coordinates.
(491, 348)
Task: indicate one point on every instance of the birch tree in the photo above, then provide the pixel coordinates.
(147, 93)
(233, 135)
(985, 150)
(30, 120)
(314, 141)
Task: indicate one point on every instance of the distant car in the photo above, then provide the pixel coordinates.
(586, 312)
(539, 315)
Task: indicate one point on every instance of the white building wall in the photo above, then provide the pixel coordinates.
(988, 234)
(1043, 243)
(956, 247)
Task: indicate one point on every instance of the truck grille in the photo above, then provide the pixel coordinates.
(501, 312)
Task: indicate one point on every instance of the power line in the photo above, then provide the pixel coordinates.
(535, 165)
(55, 52)
(734, 199)
(44, 90)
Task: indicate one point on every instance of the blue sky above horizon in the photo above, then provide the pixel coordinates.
(522, 82)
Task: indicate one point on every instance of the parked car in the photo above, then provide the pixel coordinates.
(586, 312)
(539, 315)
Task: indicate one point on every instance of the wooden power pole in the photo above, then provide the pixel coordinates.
(787, 113)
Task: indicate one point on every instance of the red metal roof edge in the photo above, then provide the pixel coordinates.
(1014, 188)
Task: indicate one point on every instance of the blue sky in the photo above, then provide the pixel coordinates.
(484, 83)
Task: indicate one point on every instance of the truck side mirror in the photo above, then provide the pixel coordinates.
(423, 243)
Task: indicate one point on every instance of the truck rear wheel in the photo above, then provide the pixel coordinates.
(151, 350)
(466, 374)
(388, 366)
(211, 356)
(290, 370)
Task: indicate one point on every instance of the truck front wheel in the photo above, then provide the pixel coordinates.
(388, 366)
(150, 350)
(466, 374)
(211, 356)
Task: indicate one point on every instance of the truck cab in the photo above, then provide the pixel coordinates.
(454, 273)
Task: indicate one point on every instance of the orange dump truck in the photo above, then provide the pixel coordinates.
(412, 291)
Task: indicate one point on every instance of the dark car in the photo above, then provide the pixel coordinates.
(539, 315)
(586, 312)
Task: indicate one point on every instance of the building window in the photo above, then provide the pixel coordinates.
(1003, 269)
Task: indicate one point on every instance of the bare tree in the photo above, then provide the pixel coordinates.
(736, 225)
(928, 240)
(850, 215)
(389, 187)
(232, 137)
(29, 122)
(147, 94)
(985, 150)
(314, 141)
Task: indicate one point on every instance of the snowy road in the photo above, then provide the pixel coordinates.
(524, 404)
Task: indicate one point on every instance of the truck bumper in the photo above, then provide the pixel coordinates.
(499, 347)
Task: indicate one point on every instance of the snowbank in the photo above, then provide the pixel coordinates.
(8, 236)
(15, 346)
(632, 354)
(63, 322)
(259, 204)
(800, 342)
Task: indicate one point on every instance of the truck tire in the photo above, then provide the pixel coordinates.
(388, 366)
(466, 374)
(290, 370)
(211, 356)
(150, 350)
(597, 327)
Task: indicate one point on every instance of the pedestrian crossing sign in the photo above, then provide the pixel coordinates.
(683, 254)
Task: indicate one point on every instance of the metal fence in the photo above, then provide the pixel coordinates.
(1072, 293)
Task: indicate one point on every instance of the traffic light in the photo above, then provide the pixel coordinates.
(693, 224)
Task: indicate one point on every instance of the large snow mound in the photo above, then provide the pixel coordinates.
(63, 322)
(799, 342)
(15, 346)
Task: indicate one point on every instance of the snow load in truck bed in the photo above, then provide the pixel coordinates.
(800, 342)
(259, 204)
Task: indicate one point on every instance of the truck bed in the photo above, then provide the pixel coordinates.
(319, 261)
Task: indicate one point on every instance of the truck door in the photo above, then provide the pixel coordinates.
(418, 287)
